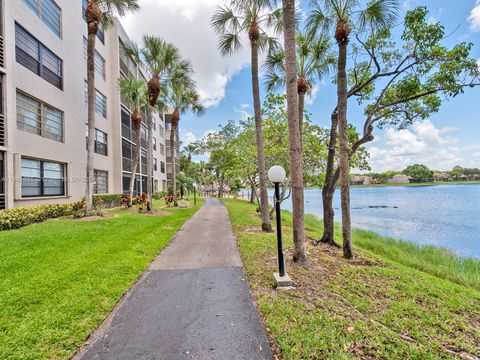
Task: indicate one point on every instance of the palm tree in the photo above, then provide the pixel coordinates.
(347, 15)
(184, 183)
(181, 97)
(189, 149)
(253, 18)
(158, 56)
(294, 129)
(314, 61)
(96, 12)
(134, 93)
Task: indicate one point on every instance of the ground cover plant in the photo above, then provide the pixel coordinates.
(394, 300)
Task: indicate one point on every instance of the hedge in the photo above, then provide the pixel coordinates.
(21, 216)
(107, 201)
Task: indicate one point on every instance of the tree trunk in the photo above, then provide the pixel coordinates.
(328, 190)
(149, 159)
(301, 108)
(174, 163)
(296, 161)
(254, 191)
(136, 160)
(92, 32)
(344, 163)
(266, 225)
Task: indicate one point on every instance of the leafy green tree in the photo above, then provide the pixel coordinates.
(97, 12)
(457, 171)
(399, 82)
(419, 172)
(254, 18)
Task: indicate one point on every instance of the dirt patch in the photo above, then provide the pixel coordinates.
(95, 217)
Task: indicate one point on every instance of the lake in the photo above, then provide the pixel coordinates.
(442, 215)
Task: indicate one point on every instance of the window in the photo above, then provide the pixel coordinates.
(100, 182)
(155, 164)
(162, 149)
(162, 131)
(101, 30)
(42, 178)
(100, 101)
(37, 58)
(101, 146)
(154, 144)
(49, 12)
(162, 167)
(99, 60)
(38, 118)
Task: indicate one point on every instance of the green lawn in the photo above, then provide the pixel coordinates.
(394, 301)
(59, 279)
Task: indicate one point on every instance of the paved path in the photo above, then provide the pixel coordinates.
(192, 303)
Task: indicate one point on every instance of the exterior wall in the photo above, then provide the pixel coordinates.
(399, 179)
(70, 100)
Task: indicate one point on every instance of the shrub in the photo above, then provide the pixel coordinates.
(125, 201)
(107, 201)
(160, 195)
(21, 216)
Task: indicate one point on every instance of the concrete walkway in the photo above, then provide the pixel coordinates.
(192, 303)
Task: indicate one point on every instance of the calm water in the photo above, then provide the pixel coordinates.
(442, 215)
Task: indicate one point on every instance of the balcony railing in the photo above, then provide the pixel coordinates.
(2, 53)
(2, 201)
(2, 130)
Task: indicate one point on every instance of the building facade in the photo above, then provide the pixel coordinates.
(43, 112)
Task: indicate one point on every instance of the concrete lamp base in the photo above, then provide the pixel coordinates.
(282, 282)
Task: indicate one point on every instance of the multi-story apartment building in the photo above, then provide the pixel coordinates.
(43, 111)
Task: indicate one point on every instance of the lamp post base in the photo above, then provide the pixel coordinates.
(282, 282)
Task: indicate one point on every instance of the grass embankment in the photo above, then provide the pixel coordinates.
(394, 301)
(59, 279)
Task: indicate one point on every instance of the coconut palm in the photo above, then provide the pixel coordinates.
(158, 56)
(96, 12)
(345, 16)
(314, 60)
(254, 18)
(134, 93)
(181, 97)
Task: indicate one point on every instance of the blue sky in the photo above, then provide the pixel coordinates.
(448, 138)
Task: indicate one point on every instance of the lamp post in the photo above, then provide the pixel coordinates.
(277, 175)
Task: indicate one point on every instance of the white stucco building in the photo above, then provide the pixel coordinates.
(43, 112)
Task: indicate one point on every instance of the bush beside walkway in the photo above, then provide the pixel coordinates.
(378, 306)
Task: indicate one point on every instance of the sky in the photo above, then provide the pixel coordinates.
(446, 139)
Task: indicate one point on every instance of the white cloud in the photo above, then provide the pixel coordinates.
(310, 98)
(187, 137)
(424, 143)
(242, 110)
(186, 23)
(474, 17)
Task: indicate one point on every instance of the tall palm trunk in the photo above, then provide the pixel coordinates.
(149, 159)
(266, 225)
(296, 161)
(342, 39)
(301, 108)
(136, 160)
(173, 153)
(93, 14)
(328, 190)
